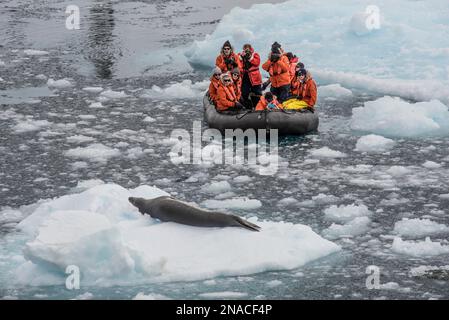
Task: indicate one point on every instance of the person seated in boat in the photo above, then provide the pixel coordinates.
(237, 82)
(214, 83)
(268, 102)
(228, 60)
(251, 76)
(293, 61)
(303, 90)
(278, 67)
(226, 97)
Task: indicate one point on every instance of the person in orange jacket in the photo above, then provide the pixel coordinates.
(268, 102)
(251, 76)
(279, 69)
(237, 82)
(228, 60)
(293, 62)
(214, 83)
(226, 97)
(304, 87)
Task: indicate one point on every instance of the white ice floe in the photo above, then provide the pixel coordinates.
(33, 52)
(403, 68)
(374, 143)
(242, 179)
(347, 213)
(150, 296)
(110, 94)
(393, 117)
(29, 125)
(99, 231)
(353, 228)
(334, 91)
(217, 187)
(179, 90)
(96, 105)
(398, 171)
(326, 152)
(431, 165)
(93, 89)
(418, 228)
(59, 84)
(79, 139)
(424, 248)
(424, 270)
(234, 203)
(149, 119)
(96, 152)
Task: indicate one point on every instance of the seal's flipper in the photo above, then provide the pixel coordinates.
(246, 224)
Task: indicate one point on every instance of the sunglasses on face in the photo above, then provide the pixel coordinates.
(227, 81)
(226, 49)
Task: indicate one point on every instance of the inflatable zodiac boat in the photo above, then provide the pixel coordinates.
(288, 122)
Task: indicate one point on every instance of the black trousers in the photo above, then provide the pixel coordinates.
(281, 93)
(247, 88)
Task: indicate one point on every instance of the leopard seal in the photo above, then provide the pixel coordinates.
(168, 209)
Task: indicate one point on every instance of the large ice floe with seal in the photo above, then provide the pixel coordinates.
(111, 243)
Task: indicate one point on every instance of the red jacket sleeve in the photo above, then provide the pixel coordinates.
(266, 66)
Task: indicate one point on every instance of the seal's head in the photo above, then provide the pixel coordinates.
(137, 202)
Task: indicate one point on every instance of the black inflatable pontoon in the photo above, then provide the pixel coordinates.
(286, 121)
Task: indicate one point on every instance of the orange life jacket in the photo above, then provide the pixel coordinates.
(226, 97)
(221, 63)
(306, 91)
(279, 72)
(263, 104)
(213, 87)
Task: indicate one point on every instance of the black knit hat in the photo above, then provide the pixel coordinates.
(301, 72)
(276, 47)
(227, 44)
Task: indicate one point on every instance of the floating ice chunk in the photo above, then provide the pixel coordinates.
(346, 213)
(287, 202)
(334, 91)
(431, 165)
(109, 94)
(234, 203)
(96, 152)
(417, 228)
(374, 143)
(93, 89)
(397, 118)
(149, 119)
(424, 248)
(430, 271)
(84, 296)
(242, 179)
(398, 171)
(30, 125)
(274, 283)
(217, 187)
(223, 295)
(32, 52)
(150, 296)
(180, 90)
(96, 105)
(353, 228)
(2, 63)
(326, 152)
(1, 80)
(41, 77)
(79, 139)
(393, 286)
(59, 84)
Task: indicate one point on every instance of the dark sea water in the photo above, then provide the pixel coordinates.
(132, 45)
